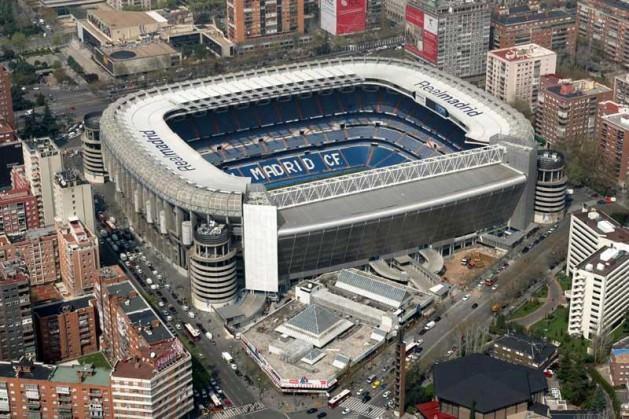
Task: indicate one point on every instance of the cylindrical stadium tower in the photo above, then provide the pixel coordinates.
(550, 190)
(212, 267)
(93, 167)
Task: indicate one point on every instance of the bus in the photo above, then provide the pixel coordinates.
(338, 399)
(193, 332)
(216, 401)
(413, 346)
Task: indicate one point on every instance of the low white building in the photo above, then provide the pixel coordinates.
(316, 325)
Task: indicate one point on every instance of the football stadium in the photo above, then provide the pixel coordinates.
(292, 171)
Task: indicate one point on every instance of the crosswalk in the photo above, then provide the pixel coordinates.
(238, 411)
(357, 406)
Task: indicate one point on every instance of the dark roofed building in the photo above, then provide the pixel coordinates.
(524, 350)
(493, 388)
(66, 329)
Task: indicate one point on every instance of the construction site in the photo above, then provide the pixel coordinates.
(466, 265)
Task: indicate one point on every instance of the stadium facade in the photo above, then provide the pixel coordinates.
(317, 166)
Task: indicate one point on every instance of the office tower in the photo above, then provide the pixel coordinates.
(453, 36)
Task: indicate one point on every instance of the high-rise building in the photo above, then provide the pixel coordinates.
(518, 25)
(567, 109)
(39, 250)
(78, 256)
(604, 24)
(514, 74)
(73, 198)
(35, 390)
(252, 20)
(621, 89)
(17, 336)
(19, 211)
(66, 329)
(6, 101)
(152, 376)
(42, 160)
(598, 262)
(451, 35)
(612, 134)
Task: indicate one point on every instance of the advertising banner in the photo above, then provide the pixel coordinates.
(351, 16)
(421, 34)
(343, 17)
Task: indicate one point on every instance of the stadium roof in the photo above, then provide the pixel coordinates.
(396, 199)
(134, 129)
(314, 319)
(486, 383)
(371, 285)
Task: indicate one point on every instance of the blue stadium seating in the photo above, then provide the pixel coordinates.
(404, 125)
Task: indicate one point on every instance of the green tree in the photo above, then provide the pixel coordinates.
(19, 41)
(523, 107)
(40, 100)
(48, 123)
(586, 164)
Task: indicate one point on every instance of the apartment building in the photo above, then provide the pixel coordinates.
(78, 256)
(395, 10)
(152, 375)
(604, 24)
(17, 336)
(621, 89)
(598, 262)
(66, 329)
(42, 160)
(73, 197)
(619, 363)
(254, 20)
(39, 250)
(35, 390)
(6, 101)
(612, 134)
(19, 210)
(514, 74)
(132, 4)
(524, 350)
(519, 25)
(567, 109)
(450, 35)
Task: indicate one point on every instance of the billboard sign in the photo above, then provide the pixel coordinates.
(421, 34)
(351, 16)
(343, 17)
